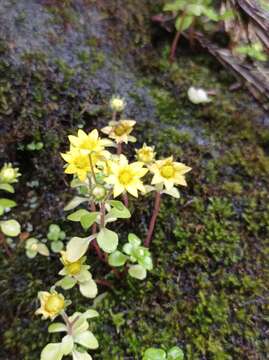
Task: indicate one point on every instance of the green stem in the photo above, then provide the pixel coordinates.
(92, 168)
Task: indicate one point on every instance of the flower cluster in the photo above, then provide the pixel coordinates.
(104, 179)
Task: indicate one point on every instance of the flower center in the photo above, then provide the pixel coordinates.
(9, 174)
(145, 155)
(81, 162)
(54, 304)
(120, 130)
(74, 268)
(167, 171)
(89, 144)
(125, 177)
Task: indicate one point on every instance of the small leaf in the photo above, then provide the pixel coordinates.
(154, 354)
(67, 344)
(175, 6)
(183, 23)
(7, 187)
(77, 215)
(90, 313)
(88, 220)
(52, 352)
(77, 247)
(10, 227)
(57, 327)
(88, 289)
(137, 272)
(117, 258)
(42, 249)
(175, 353)
(172, 192)
(31, 254)
(57, 246)
(134, 240)
(76, 201)
(107, 240)
(87, 339)
(7, 203)
(81, 356)
(67, 283)
(117, 204)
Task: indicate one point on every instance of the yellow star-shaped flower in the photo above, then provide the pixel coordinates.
(90, 143)
(169, 173)
(126, 177)
(78, 163)
(120, 131)
(51, 304)
(145, 154)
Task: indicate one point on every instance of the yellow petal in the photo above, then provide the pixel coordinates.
(71, 169)
(132, 190)
(118, 189)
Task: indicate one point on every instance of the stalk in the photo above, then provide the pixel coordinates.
(153, 218)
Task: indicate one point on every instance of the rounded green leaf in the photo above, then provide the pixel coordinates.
(67, 283)
(88, 289)
(134, 240)
(107, 240)
(67, 344)
(76, 201)
(57, 327)
(77, 215)
(154, 354)
(7, 187)
(31, 254)
(175, 353)
(117, 258)
(137, 272)
(7, 203)
(10, 227)
(42, 249)
(52, 352)
(77, 355)
(88, 219)
(77, 247)
(57, 246)
(87, 339)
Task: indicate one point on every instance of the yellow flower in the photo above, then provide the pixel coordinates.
(51, 304)
(120, 130)
(9, 174)
(146, 154)
(90, 143)
(169, 173)
(71, 268)
(126, 177)
(78, 163)
(117, 104)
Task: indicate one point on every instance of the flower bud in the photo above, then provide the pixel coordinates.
(99, 192)
(117, 104)
(8, 174)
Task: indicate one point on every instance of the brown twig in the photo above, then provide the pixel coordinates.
(153, 218)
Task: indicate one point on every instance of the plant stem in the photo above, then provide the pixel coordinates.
(114, 116)
(153, 218)
(94, 242)
(119, 148)
(92, 168)
(176, 39)
(104, 283)
(102, 213)
(67, 322)
(125, 199)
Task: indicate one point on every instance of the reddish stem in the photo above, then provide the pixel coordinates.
(125, 199)
(5, 245)
(104, 282)
(174, 46)
(119, 148)
(153, 218)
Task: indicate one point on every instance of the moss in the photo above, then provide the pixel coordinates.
(207, 292)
